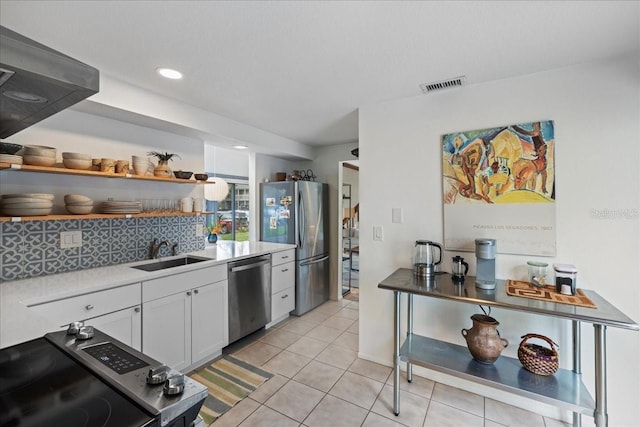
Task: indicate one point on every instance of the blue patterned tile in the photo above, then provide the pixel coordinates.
(34, 226)
(12, 227)
(35, 268)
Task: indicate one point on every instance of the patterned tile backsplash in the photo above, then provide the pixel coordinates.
(32, 248)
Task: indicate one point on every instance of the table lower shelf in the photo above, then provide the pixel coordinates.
(563, 389)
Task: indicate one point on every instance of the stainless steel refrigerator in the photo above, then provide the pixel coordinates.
(296, 212)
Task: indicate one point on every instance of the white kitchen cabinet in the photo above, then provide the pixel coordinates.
(283, 289)
(185, 318)
(208, 333)
(34, 319)
(123, 325)
(166, 330)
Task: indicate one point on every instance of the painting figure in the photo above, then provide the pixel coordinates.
(512, 164)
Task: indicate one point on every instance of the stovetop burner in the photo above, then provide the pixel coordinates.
(39, 386)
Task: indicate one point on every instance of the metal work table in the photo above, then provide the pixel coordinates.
(563, 389)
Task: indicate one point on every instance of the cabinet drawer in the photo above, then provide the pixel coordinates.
(282, 257)
(283, 302)
(83, 307)
(282, 276)
(181, 282)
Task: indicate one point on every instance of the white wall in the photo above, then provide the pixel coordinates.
(102, 137)
(596, 109)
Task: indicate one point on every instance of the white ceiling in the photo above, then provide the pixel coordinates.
(301, 69)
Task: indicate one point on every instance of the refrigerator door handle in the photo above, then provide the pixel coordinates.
(301, 217)
(314, 261)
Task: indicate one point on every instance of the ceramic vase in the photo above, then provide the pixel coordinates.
(483, 339)
(162, 169)
(212, 238)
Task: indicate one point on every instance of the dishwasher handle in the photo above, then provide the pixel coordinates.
(250, 266)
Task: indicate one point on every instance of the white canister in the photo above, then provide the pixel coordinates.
(186, 204)
(566, 278)
(198, 205)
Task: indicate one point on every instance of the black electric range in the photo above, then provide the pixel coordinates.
(86, 378)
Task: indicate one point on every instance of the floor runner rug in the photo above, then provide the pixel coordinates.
(229, 380)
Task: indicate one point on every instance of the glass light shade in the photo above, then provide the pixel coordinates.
(216, 189)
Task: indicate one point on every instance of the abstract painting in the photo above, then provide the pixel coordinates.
(500, 183)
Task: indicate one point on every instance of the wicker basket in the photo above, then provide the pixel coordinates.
(537, 359)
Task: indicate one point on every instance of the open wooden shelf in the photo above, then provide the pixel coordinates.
(58, 217)
(60, 169)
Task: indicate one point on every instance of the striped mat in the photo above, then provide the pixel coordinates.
(229, 380)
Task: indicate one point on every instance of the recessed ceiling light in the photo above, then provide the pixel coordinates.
(240, 147)
(169, 73)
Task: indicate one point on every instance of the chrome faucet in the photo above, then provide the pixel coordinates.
(174, 249)
(154, 250)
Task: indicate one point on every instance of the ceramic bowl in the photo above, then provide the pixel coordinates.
(76, 198)
(90, 203)
(79, 210)
(40, 150)
(83, 164)
(79, 156)
(9, 148)
(201, 176)
(38, 160)
(10, 158)
(182, 174)
(35, 195)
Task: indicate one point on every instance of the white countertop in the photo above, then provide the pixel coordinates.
(43, 289)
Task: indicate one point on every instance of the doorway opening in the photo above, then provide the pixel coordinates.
(349, 226)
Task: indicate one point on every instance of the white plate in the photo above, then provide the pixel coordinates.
(45, 196)
(23, 200)
(26, 212)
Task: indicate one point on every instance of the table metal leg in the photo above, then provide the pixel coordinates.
(577, 364)
(409, 332)
(600, 415)
(396, 352)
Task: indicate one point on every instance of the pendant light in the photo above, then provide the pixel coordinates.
(215, 189)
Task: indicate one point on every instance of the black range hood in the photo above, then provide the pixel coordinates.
(37, 82)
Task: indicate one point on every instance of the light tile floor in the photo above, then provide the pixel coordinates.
(320, 382)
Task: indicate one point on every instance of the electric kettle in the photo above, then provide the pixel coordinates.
(424, 258)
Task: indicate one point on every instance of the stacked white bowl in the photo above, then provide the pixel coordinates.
(76, 161)
(140, 164)
(39, 155)
(77, 204)
(26, 204)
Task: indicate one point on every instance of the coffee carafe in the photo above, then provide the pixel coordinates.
(459, 269)
(424, 258)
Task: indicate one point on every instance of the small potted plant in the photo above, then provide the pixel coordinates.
(163, 168)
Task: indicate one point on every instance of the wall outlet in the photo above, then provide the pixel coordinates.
(70, 239)
(199, 230)
(378, 234)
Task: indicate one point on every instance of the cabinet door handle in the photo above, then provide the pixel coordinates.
(188, 293)
(285, 270)
(285, 257)
(195, 291)
(88, 307)
(284, 296)
(137, 309)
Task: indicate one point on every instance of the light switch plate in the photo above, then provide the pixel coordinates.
(378, 233)
(70, 239)
(396, 215)
(199, 230)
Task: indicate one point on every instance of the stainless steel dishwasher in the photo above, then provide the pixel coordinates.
(249, 295)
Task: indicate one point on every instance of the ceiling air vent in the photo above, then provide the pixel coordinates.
(444, 84)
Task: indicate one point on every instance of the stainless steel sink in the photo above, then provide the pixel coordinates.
(170, 263)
